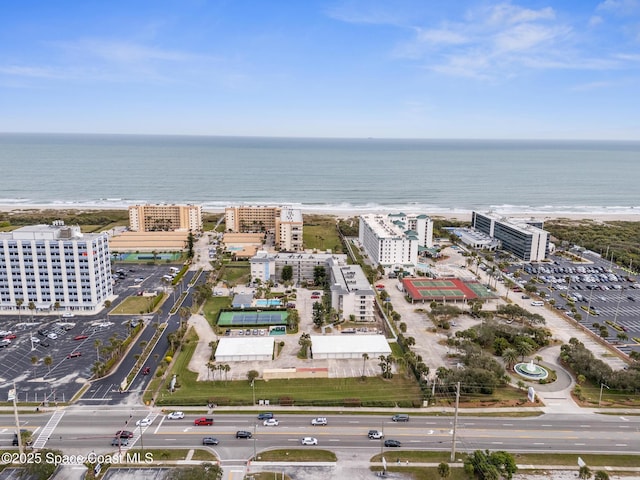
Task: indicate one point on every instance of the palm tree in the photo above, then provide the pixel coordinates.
(365, 357)
(211, 367)
(32, 307)
(97, 343)
(48, 361)
(19, 303)
(184, 313)
(56, 307)
(34, 362)
(510, 355)
(523, 349)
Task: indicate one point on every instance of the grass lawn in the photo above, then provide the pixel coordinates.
(320, 233)
(374, 391)
(236, 273)
(270, 476)
(297, 455)
(610, 398)
(134, 306)
(173, 454)
(420, 473)
(213, 306)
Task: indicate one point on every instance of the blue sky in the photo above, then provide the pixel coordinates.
(312, 68)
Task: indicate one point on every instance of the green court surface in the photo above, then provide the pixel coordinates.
(138, 257)
(242, 319)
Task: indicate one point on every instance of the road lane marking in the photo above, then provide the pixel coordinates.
(621, 444)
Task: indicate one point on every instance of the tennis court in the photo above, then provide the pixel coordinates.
(454, 289)
(137, 257)
(252, 319)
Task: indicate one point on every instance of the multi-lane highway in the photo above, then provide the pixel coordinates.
(82, 430)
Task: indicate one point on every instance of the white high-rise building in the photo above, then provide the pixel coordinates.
(43, 265)
(388, 242)
(523, 238)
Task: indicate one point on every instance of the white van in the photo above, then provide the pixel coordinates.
(537, 303)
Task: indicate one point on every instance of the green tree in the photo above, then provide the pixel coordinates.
(34, 362)
(48, 361)
(204, 471)
(601, 475)
(318, 314)
(189, 244)
(42, 470)
(510, 355)
(252, 375)
(443, 470)
(584, 472)
(287, 273)
(320, 276)
(32, 307)
(19, 302)
(365, 357)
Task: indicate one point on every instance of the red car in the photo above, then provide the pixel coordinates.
(203, 421)
(10, 337)
(80, 337)
(146, 370)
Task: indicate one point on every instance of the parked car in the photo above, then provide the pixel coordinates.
(80, 337)
(401, 417)
(392, 443)
(74, 355)
(11, 336)
(265, 415)
(210, 441)
(243, 434)
(175, 416)
(145, 422)
(270, 422)
(375, 434)
(309, 441)
(68, 315)
(319, 421)
(203, 421)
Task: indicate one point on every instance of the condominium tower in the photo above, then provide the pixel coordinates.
(47, 266)
(165, 218)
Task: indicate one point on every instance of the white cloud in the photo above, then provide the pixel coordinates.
(33, 72)
(585, 87)
(526, 36)
(124, 52)
(595, 20)
(619, 7)
(441, 36)
(506, 13)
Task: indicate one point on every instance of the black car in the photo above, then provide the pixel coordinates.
(392, 443)
(45, 343)
(209, 441)
(119, 442)
(243, 434)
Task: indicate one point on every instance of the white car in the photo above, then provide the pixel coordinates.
(35, 339)
(175, 416)
(4, 333)
(68, 315)
(145, 422)
(270, 422)
(319, 421)
(52, 336)
(309, 441)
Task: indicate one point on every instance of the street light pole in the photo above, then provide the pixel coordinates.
(253, 390)
(600, 399)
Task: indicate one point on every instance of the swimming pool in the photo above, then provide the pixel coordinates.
(270, 302)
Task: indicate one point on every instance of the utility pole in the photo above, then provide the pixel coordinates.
(455, 423)
(12, 396)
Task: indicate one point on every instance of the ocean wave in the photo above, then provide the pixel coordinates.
(342, 208)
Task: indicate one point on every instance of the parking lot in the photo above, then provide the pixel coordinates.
(69, 342)
(600, 292)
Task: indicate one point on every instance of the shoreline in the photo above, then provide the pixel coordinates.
(346, 212)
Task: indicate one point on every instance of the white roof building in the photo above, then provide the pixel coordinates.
(351, 293)
(349, 346)
(388, 242)
(243, 349)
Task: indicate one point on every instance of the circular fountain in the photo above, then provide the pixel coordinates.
(531, 371)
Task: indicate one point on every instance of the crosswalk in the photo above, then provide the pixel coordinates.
(48, 429)
(138, 432)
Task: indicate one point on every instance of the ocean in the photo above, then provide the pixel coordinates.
(331, 175)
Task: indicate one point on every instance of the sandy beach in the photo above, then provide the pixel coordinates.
(462, 216)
